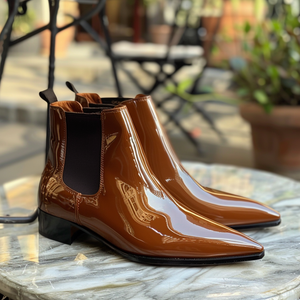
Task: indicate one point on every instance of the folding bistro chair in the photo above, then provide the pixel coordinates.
(178, 53)
(19, 7)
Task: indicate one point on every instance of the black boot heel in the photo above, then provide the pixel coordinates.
(57, 229)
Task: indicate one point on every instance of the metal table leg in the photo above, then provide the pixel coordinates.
(13, 10)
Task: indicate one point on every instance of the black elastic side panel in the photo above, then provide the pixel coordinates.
(115, 100)
(94, 105)
(92, 110)
(82, 165)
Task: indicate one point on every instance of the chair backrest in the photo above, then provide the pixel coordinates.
(187, 27)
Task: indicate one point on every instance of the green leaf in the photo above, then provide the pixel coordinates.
(247, 27)
(261, 97)
(215, 50)
(243, 92)
(272, 71)
(171, 88)
(277, 27)
(268, 108)
(266, 48)
(184, 85)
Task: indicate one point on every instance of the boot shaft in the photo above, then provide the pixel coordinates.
(86, 152)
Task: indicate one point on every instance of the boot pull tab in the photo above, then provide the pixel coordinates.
(48, 96)
(71, 87)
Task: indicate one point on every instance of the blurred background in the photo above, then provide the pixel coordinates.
(224, 75)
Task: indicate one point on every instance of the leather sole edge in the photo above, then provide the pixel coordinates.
(49, 232)
(257, 225)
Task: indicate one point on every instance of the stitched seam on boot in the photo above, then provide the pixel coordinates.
(81, 100)
(78, 202)
(60, 172)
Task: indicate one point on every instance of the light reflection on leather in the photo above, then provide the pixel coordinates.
(110, 139)
(131, 199)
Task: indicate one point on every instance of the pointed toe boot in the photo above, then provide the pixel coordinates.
(232, 210)
(97, 180)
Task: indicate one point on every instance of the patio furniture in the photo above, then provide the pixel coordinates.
(177, 54)
(14, 7)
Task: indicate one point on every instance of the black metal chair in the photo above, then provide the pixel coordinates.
(178, 53)
(19, 7)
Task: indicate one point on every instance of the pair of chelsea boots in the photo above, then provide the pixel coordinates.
(112, 173)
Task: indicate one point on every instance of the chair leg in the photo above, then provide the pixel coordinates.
(133, 79)
(53, 9)
(104, 24)
(172, 117)
(210, 122)
(5, 52)
(91, 31)
(6, 33)
(13, 10)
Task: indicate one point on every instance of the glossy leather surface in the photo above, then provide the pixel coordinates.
(131, 209)
(228, 209)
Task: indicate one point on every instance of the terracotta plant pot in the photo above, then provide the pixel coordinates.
(275, 137)
(160, 34)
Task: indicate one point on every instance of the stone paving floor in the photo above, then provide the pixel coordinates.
(22, 112)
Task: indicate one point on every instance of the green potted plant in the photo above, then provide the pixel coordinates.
(268, 82)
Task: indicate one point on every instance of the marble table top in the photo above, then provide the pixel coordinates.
(34, 267)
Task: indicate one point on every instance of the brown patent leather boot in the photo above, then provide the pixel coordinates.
(229, 209)
(97, 180)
